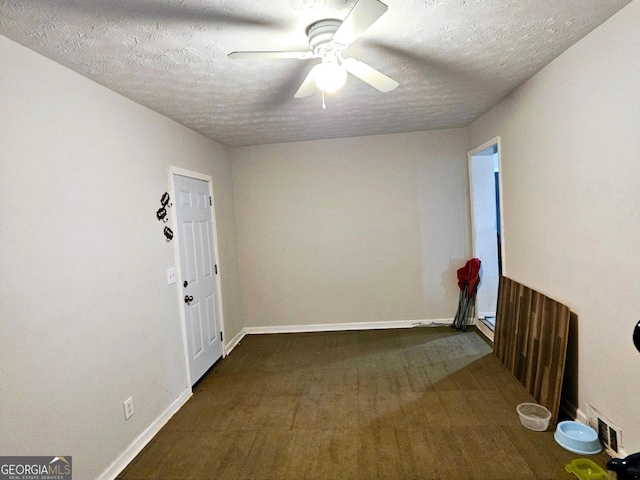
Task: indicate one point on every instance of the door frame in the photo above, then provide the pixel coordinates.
(470, 154)
(173, 171)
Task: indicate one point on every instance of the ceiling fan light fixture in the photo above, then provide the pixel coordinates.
(330, 76)
(328, 39)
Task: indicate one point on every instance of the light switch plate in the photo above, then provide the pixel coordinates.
(128, 408)
(171, 276)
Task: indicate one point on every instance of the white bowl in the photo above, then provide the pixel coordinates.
(577, 438)
(534, 416)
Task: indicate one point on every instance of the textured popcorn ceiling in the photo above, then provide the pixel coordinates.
(454, 59)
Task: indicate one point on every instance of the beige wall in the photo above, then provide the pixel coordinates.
(571, 185)
(86, 316)
(352, 230)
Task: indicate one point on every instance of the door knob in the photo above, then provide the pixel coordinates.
(188, 298)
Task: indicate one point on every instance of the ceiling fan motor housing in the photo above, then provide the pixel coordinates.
(320, 35)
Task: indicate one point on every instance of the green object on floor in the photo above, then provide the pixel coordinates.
(586, 469)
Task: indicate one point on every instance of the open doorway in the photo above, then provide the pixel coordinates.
(486, 229)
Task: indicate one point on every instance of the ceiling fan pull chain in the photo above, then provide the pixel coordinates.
(324, 106)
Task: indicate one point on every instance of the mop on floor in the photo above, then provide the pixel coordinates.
(468, 280)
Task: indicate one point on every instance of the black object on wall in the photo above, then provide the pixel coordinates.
(636, 336)
(162, 214)
(164, 200)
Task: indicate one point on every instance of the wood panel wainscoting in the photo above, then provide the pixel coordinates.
(531, 340)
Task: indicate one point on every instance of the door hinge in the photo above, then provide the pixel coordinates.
(210, 201)
(221, 337)
(215, 268)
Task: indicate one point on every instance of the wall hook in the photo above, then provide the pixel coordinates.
(165, 199)
(162, 214)
(168, 233)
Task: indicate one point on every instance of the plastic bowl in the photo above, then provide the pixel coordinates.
(577, 438)
(534, 416)
(585, 469)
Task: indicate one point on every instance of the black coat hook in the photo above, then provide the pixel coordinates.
(168, 233)
(165, 199)
(161, 214)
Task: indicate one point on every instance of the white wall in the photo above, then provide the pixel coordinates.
(352, 230)
(571, 185)
(86, 316)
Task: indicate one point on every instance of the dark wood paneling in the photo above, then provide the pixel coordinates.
(531, 340)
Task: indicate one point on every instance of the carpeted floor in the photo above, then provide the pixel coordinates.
(422, 403)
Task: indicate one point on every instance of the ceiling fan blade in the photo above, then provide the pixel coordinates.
(361, 17)
(251, 55)
(308, 85)
(173, 12)
(370, 75)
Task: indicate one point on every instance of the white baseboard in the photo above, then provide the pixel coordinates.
(233, 343)
(486, 331)
(336, 327)
(581, 416)
(144, 438)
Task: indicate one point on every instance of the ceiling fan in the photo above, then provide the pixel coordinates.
(328, 39)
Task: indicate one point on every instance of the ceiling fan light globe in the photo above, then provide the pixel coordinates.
(330, 77)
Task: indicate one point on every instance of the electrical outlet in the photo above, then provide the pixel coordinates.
(171, 276)
(128, 408)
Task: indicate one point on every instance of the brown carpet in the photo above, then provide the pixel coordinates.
(422, 403)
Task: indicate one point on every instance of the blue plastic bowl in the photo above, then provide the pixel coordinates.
(577, 438)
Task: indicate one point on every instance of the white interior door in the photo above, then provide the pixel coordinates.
(198, 274)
